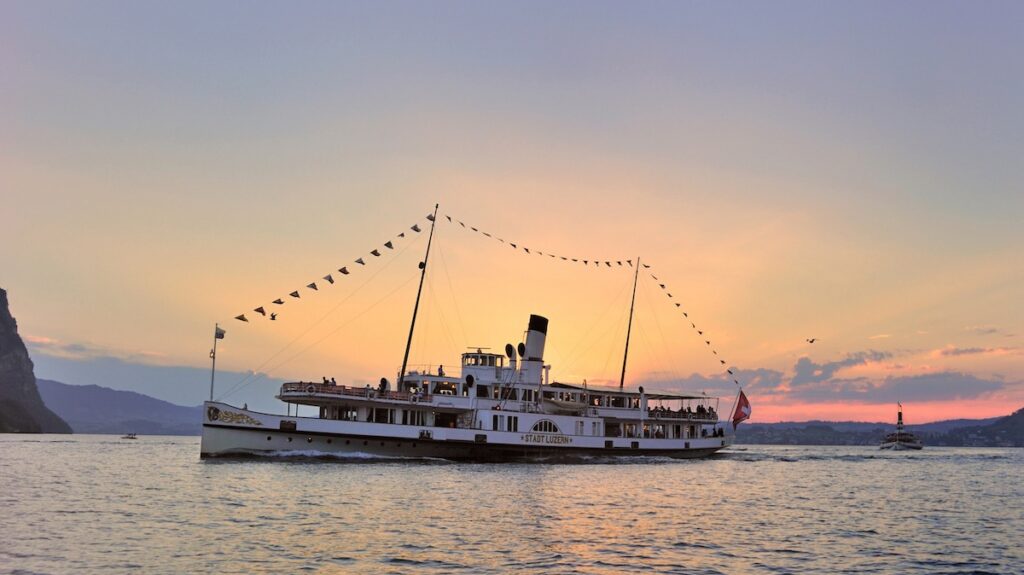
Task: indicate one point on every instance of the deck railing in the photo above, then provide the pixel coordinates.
(310, 388)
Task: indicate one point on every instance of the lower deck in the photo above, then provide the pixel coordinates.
(230, 431)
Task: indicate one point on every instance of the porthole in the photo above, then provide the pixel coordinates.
(414, 445)
(382, 444)
(366, 443)
(328, 442)
(289, 440)
(309, 440)
(347, 442)
(268, 438)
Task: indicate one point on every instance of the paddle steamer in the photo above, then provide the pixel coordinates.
(901, 440)
(496, 408)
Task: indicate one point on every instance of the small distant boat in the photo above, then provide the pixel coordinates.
(901, 440)
(129, 436)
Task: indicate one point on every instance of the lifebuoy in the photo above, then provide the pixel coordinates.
(311, 389)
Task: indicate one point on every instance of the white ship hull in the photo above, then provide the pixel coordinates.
(230, 431)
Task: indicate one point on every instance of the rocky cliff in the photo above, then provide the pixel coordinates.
(21, 408)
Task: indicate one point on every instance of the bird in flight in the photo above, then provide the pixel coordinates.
(812, 340)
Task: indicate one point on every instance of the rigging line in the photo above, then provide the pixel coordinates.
(346, 324)
(451, 289)
(664, 341)
(243, 382)
(571, 357)
(440, 313)
(608, 354)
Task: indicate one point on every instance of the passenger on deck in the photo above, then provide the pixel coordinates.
(325, 380)
(440, 370)
(333, 382)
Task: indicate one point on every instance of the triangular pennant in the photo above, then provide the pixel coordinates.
(487, 234)
(620, 264)
(540, 253)
(344, 270)
(360, 262)
(278, 301)
(714, 351)
(241, 317)
(551, 255)
(722, 361)
(401, 235)
(461, 223)
(609, 264)
(294, 294)
(329, 279)
(376, 253)
(655, 277)
(646, 267)
(678, 304)
(563, 258)
(273, 317)
(686, 315)
(513, 245)
(662, 286)
(389, 245)
(415, 228)
(707, 342)
(630, 262)
(260, 311)
(449, 217)
(700, 332)
(527, 250)
(430, 217)
(730, 371)
(312, 286)
(669, 295)
(474, 229)
(575, 260)
(586, 262)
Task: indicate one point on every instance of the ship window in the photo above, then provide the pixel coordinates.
(545, 426)
(482, 391)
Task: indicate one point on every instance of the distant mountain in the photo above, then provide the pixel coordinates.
(1006, 432)
(994, 431)
(95, 409)
(21, 408)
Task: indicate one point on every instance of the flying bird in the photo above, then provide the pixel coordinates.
(812, 340)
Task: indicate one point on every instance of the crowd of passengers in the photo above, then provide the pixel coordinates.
(686, 412)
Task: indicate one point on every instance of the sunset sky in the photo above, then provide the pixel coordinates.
(846, 172)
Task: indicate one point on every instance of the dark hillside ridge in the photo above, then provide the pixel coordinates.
(21, 408)
(95, 409)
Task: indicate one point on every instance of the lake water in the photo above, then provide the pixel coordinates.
(100, 504)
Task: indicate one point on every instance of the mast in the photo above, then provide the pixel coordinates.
(213, 356)
(629, 329)
(416, 308)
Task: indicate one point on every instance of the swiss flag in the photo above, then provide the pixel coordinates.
(742, 410)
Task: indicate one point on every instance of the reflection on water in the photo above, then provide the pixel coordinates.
(91, 504)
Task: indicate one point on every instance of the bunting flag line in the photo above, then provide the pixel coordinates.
(329, 278)
(518, 245)
(607, 264)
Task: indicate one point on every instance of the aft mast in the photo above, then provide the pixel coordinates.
(416, 308)
(629, 329)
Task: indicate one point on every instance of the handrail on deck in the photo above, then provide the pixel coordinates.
(312, 388)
